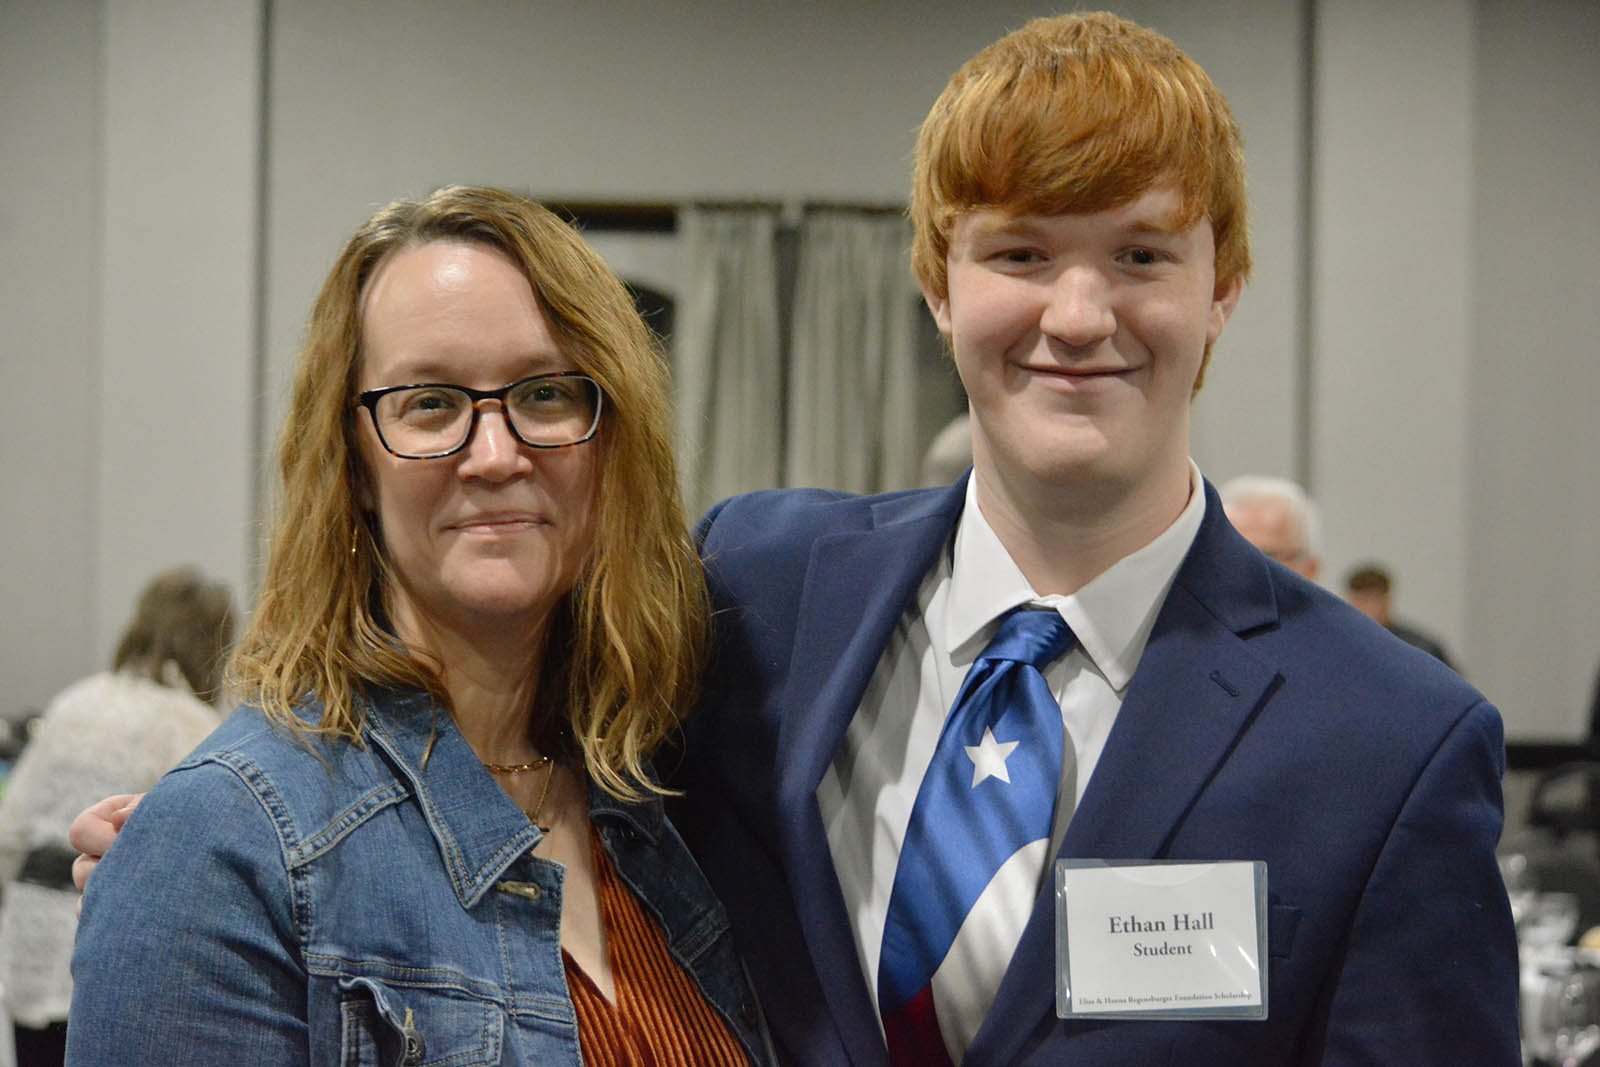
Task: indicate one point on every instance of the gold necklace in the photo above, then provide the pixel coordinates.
(516, 768)
(544, 792)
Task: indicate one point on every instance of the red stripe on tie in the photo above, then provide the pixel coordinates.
(913, 1034)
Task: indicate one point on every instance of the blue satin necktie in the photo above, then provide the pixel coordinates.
(990, 790)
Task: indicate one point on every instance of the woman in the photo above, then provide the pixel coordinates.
(119, 729)
(432, 835)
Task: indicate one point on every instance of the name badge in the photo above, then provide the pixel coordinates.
(1138, 939)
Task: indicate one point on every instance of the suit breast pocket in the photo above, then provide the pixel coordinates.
(382, 1024)
(1282, 923)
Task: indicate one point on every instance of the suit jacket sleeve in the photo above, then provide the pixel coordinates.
(1429, 969)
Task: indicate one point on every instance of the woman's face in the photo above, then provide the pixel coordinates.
(490, 538)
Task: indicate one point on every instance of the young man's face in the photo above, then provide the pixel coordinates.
(1079, 338)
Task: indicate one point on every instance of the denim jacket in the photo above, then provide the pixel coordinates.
(271, 902)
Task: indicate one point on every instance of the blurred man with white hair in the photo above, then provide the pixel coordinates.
(1276, 516)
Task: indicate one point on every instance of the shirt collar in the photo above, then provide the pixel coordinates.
(1111, 616)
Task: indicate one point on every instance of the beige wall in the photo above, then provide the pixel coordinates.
(182, 172)
(178, 154)
(1390, 298)
(49, 342)
(1532, 587)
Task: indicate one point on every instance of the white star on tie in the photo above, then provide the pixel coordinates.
(989, 758)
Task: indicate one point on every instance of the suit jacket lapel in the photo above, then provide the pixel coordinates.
(858, 584)
(1196, 688)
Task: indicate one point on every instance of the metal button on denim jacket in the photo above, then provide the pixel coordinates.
(271, 902)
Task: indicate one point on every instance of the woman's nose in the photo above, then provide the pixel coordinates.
(493, 451)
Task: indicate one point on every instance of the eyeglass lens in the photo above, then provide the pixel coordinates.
(432, 419)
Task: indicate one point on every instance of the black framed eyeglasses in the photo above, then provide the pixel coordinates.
(434, 421)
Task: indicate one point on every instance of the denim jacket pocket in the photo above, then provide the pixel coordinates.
(384, 1025)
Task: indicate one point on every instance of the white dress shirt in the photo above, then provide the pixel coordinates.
(867, 794)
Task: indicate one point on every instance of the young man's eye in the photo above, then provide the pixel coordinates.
(1018, 255)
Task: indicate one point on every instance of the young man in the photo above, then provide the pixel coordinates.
(1081, 241)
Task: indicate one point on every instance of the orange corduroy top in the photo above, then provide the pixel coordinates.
(660, 1017)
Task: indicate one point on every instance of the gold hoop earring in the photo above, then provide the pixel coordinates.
(355, 540)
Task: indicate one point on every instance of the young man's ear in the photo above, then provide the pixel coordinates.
(1223, 300)
(940, 307)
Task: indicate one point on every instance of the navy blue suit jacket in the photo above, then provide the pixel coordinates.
(1266, 721)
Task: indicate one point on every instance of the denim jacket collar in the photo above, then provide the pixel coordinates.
(647, 816)
(478, 840)
(479, 834)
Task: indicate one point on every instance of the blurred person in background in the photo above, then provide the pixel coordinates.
(949, 454)
(1370, 589)
(113, 732)
(1594, 719)
(1276, 516)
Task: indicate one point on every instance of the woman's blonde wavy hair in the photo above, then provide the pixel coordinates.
(1072, 115)
(628, 641)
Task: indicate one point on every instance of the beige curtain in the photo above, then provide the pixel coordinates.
(853, 403)
(726, 354)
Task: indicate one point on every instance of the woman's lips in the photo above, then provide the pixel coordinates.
(497, 522)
